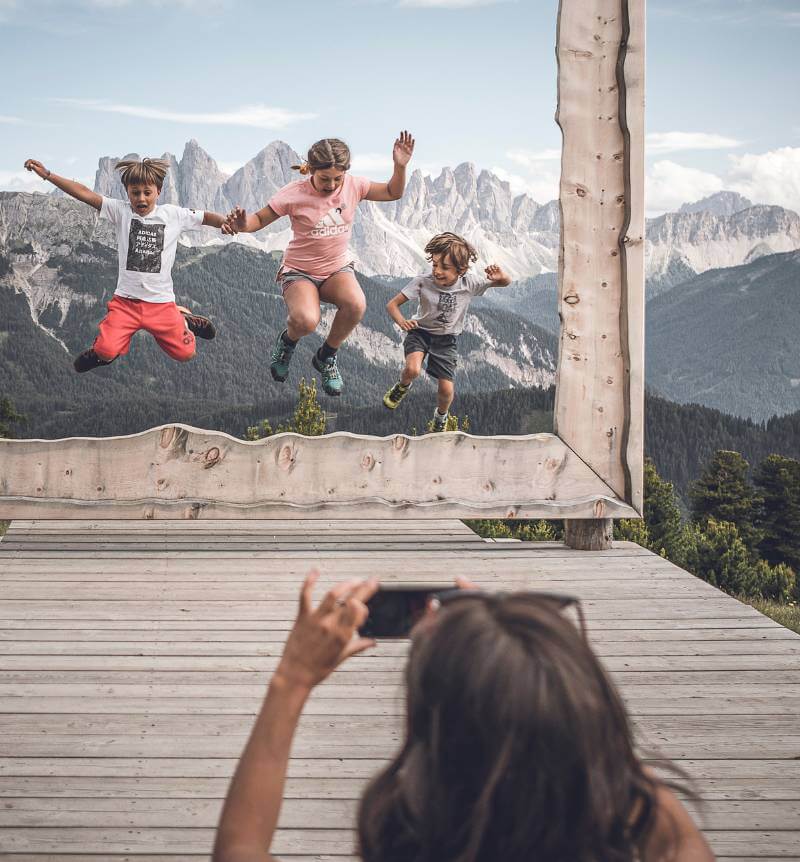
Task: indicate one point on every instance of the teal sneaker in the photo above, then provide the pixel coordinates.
(331, 379)
(395, 395)
(281, 357)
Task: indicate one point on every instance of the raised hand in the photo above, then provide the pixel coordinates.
(403, 149)
(38, 168)
(495, 273)
(323, 637)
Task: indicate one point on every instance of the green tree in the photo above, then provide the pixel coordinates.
(308, 418)
(717, 554)
(778, 480)
(8, 417)
(723, 493)
(453, 424)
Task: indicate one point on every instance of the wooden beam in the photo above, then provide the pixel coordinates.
(176, 471)
(599, 401)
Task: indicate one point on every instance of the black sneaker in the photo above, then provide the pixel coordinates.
(201, 326)
(440, 422)
(88, 360)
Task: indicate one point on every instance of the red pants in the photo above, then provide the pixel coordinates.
(161, 319)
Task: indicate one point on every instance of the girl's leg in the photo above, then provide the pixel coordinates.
(445, 395)
(343, 291)
(302, 303)
(168, 326)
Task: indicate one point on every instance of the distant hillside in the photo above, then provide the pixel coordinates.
(729, 338)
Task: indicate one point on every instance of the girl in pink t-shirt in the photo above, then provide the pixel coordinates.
(316, 265)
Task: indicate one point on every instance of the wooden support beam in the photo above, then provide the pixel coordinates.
(591, 534)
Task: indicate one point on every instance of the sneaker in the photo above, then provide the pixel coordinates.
(281, 357)
(395, 395)
(88, 360)
(329, 369)
(202, 327)
(440, 422)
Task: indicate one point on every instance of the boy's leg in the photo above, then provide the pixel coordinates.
(411, 370)
(168, 326)
(445, 396)
(115, 331)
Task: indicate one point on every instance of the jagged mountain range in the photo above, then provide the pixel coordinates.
(515, 231)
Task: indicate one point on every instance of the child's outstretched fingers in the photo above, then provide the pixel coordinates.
(37, 167)
(403, 148)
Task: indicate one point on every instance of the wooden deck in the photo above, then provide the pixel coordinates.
(135, 655)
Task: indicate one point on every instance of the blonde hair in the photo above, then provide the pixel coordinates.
(149, 172)
(325, 154)
(455, 248)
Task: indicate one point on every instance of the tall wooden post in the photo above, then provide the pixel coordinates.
(600, 388)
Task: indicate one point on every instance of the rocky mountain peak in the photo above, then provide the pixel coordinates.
(719, 204)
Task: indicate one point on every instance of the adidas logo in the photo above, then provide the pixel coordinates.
(331, 224)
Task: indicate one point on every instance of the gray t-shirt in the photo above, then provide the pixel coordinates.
(442, 310)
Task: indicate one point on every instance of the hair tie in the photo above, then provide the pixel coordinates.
(304, 168)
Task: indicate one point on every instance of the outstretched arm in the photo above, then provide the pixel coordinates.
(321, 639)
(241, 221)
(76, 190)
(497, 276)
(401, 156)
(218, 221)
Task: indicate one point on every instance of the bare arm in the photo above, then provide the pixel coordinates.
(218, 221)
(497, 276)
(393, 307)
(76, 190)
(674, 836)
(241, 221)
(321, 639)
(401, 156)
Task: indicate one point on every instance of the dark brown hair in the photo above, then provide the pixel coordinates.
(325, 154)
(517, 747)
(456, 250)
(149, 172)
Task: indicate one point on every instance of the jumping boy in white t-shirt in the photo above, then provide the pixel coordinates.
(147, 239)
(444, 297)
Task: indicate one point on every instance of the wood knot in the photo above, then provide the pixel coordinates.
(581, 192)
(166, 437)
(367, 462)
(572, 299)
(211, 457)
(599, 509)
(285, 458)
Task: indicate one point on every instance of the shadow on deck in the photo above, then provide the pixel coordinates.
(135, 655)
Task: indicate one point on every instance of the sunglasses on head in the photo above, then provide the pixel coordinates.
(558, 602)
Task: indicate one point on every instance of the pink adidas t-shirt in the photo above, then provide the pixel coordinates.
(321, 224)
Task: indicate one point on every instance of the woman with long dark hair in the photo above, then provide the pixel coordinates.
(517, 745)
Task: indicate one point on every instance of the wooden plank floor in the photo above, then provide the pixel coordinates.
(135, 654)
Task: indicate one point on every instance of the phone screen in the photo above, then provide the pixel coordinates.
(394, 611)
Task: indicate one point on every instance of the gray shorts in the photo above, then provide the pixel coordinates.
(286, 276)
(440, 350)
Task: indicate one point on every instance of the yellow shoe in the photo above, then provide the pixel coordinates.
(395, 395)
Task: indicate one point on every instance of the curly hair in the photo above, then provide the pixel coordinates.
(144, 172)
(325, 154)
(455, 250)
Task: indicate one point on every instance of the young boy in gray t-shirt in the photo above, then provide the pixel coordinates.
(444, 297)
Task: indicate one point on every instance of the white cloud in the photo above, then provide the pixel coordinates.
(10, 121)
(23, 181)
(669, 185)
(670, 142)
(542, 185)
(531, 158)
(448, 4)
(772, 177)
(257, 116)
(372, 162)
(229, 168)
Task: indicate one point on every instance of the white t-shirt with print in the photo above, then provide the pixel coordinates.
(147, 246)
(442, 309)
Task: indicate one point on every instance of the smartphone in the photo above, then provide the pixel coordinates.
(394, 611)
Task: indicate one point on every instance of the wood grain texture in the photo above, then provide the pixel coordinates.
(129, 679)
(599, 400)
(176, 471)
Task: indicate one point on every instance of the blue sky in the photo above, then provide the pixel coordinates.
(474, 80)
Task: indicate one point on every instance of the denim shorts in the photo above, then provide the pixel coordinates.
(286, 276)
(440, 349)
